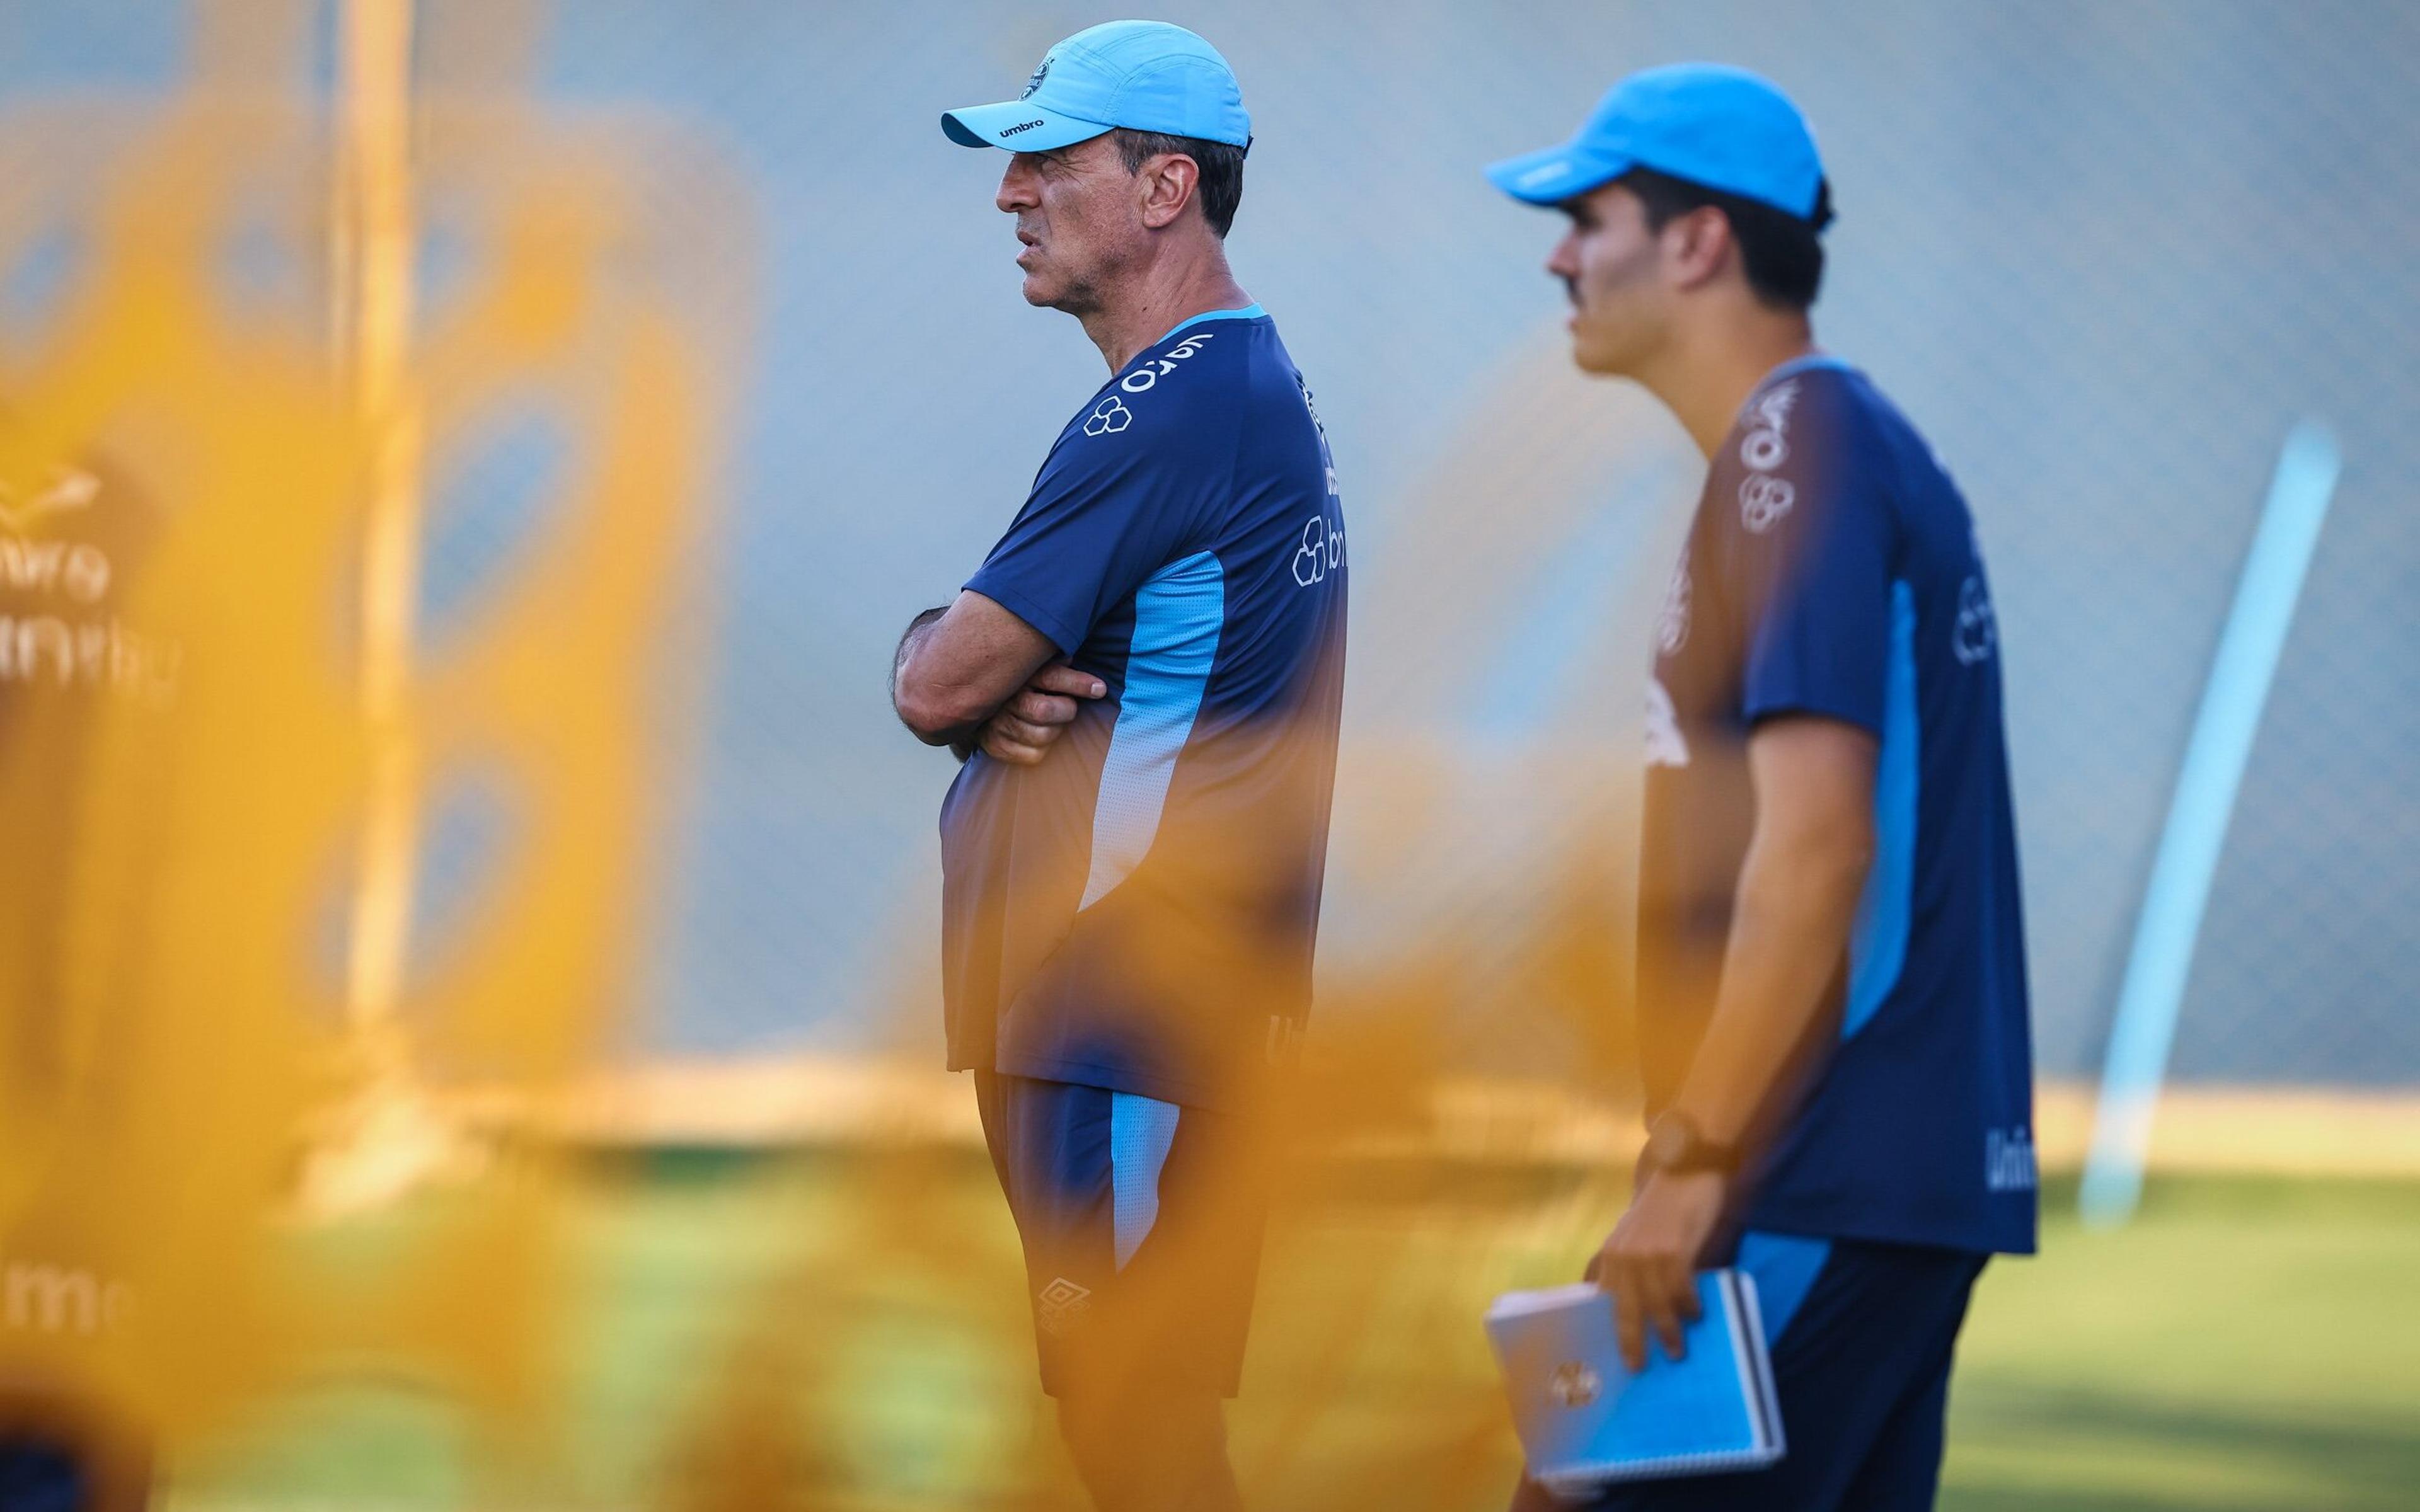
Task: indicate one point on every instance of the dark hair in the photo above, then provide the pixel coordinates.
(1221, 185)
(1781, 253)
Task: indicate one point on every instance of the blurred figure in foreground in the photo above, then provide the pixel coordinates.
(1144, 679)
(72, 537)
(1832, 993)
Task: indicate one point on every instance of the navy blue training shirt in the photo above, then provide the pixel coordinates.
(1137, 911)
(1833, 570)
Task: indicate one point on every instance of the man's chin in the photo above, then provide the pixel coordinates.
(1597, 361)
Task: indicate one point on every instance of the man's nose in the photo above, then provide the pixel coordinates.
(1015, 187)
(1564, 262)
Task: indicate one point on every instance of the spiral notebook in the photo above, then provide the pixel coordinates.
(1584, 1419)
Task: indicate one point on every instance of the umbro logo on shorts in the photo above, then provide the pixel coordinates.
(1062, 1306)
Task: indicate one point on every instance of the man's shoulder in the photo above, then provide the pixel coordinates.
(1847, 409)
(1180, 396)
(1196, 369)
(1816, 413)
(1880, 448)
(1823, 438)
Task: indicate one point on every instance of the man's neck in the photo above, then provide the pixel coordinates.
(1707, 375)
(1158, 301)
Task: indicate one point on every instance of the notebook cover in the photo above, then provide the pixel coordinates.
(1584, 1419)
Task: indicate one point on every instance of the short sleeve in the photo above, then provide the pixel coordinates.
(1813, 543)
(1112, 505)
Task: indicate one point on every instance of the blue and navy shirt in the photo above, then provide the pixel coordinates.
(1833, 570)
(1137, 911)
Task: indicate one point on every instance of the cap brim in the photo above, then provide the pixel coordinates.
(1557, 174)
(1017, 125)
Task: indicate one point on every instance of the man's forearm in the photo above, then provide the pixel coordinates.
(918, 628)
(958, 667)
(1795, 907)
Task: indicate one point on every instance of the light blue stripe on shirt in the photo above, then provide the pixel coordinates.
(1250, 312)
(1785, 1267)
(1178, 615)
(1878, 948)
(1142, 1132)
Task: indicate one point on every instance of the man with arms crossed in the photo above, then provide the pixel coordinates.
(1145, 677)
(1832, 988)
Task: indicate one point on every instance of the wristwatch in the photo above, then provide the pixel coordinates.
(1675, 1144)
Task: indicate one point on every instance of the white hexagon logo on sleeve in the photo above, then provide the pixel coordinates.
(1978, 634)
(1763, 499)
(1322, 550)
(1108, 418)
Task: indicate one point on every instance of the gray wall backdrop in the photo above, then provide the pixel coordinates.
(2105, 254)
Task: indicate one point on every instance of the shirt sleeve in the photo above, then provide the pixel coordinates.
(1111, 505)
(1813, 543)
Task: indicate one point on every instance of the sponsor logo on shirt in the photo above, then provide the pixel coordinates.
(1322, 550)
(1764, 499)
(1311, 408)
(1110, 415)
(1672, 620)
(1143, 379)
(1665, 747)
(1978, 634)
(1766, 445)
(1309, 404)
(2009, 1160)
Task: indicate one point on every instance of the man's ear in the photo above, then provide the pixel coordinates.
(1167, 183)
(1697, 245)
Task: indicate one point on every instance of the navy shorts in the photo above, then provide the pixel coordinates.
(1140, 1222)
(1861, 1336)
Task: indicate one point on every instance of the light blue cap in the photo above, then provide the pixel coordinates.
(1144, 75)
(1718, 127)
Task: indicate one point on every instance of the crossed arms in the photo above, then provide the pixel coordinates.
(976, 677)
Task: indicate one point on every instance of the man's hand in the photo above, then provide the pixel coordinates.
(1649, 1261)
(1026, 727)
(1796, 896)
(956, 668)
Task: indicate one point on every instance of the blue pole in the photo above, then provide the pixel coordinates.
(2187, 861)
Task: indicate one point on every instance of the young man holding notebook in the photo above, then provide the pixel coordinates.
(1832, 987)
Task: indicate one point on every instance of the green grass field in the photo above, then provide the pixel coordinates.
(2246, 1344)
